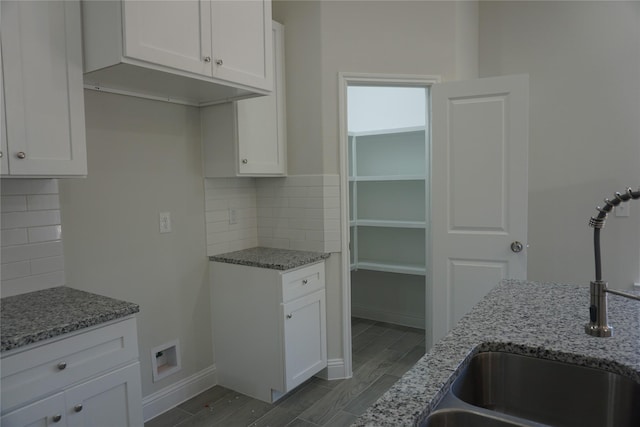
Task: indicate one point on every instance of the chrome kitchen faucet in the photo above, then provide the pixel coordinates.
(598, 325)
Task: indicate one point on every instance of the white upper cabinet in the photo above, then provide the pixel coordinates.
(43, 89)
(152, 33)
(242, 42)
(248, 137)
(195, 52)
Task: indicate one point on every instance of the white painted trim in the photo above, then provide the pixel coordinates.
(335, 370)
(345, 264)
(395, 317)
(169, 397)
(367, 79)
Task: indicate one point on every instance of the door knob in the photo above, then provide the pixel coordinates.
(517, 246)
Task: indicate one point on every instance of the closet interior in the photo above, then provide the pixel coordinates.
(388, 140)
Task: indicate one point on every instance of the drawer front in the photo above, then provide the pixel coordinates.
(303, 281)
(59, 363)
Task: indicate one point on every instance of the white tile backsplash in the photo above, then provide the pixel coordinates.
(31, 236)
(221, 195)
(296, 212)
(293, 212)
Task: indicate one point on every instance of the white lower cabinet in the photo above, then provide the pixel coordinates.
(91, 378)
(269, 327)
(44, 412)
(304, 338)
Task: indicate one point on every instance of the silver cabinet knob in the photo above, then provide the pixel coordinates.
(78, 407)
(56, 418)
(1, 154)
(517, 246)
(21, 155)
(62, 365)
(289, 316)
(219, 62)
(207, 59)
(245, 161)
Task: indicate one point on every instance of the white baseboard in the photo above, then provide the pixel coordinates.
(171, 396)
(403, 319)
(335, 370)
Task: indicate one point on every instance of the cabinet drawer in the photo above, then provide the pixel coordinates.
(302, 282)
(56, 364)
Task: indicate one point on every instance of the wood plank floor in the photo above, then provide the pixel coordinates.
(382, 353)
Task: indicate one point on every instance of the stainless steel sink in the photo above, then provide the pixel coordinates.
(456, 417)
(548, 392)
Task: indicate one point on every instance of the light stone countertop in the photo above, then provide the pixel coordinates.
(271, 258)
(543, 320)
(40, 315)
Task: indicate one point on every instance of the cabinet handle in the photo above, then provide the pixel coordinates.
(62, 365)
(78, 407)
(245, 161)
(219, 62)
(56, 418)
(207, 59)
(289, 316)
(305, 281)
(21, 155)
(1, 154)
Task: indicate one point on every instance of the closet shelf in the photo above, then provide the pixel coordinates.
(387, 223)
(389, 131)
(414, 269)
(387, 178)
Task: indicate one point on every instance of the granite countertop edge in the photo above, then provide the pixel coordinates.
(270, 258)
(490, 327)
(41, 315)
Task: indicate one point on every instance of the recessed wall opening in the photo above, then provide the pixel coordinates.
(388, 171)
(387, 136)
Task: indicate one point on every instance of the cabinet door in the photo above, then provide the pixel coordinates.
(174, 34)
(261, 122)
(241, 42)
(111, 400)
(45, 412)
(42, 58)
(305, 340)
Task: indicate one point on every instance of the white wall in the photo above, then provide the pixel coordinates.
(583, 59)
(380, 108)
(144, 158)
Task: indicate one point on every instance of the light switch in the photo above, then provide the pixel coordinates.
(165, 222)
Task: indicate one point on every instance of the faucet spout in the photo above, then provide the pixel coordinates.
(598, 325)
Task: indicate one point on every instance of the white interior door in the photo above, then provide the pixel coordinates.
(479, 191)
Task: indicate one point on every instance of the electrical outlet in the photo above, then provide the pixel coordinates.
(165, 222)
(233, 216)
(622, 209)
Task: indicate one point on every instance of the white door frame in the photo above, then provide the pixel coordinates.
(368, 79)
